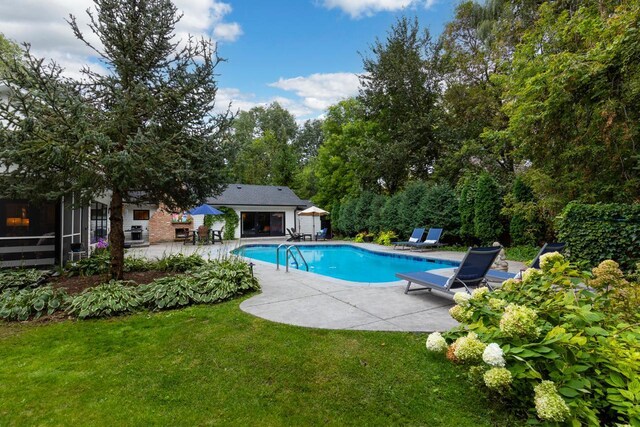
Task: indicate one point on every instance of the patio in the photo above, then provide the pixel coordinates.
(310, 300)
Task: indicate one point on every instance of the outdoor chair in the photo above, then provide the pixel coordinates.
(322, 234)
(203, 235)
(470, 274)
(431, 241)
(294, 237)
(416, 237)
(217, 235)
(501, 276)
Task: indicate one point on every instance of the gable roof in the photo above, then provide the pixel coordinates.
(256, 195)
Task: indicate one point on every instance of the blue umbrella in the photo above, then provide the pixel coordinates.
(205, 210)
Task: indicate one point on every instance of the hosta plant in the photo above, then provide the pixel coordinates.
(31, 303)
(171, 292)
(110, 299)
(21, 278)
(560, 344)
(386, 237)
(179, 263)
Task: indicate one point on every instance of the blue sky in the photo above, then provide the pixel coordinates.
(301, 53)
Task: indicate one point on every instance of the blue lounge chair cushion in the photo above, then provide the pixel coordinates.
(425, 279)
(497, 275)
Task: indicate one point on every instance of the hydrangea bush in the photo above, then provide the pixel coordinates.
(562, 346)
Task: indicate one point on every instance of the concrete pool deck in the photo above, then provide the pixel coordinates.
(315, 301)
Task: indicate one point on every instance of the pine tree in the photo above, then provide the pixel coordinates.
(145, 128)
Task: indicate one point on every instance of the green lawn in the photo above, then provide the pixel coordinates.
(212, 365)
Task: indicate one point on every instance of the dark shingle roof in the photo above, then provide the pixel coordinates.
(256, 195)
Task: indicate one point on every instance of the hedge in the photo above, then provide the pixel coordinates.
(594, 233)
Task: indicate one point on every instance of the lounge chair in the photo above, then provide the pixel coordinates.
(416, 237)
(322, 234)
(432, 240)
(294, 237)
(501, 276)
(470, 274)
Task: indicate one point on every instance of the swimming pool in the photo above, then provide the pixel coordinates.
(348, 262)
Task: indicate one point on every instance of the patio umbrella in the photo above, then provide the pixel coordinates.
(205, 210)
(313, 211)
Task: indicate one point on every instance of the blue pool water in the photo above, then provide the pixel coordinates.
(348, 262)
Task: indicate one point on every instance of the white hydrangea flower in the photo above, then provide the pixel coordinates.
(549, 259)
(461, 298)
(498, 378)
(550, 405)
(436, 343)
(530, 274)
(493, 355)
(479, 293)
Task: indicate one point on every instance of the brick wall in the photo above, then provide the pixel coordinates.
(161, 229)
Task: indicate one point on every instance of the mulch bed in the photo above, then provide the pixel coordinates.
(77, 284)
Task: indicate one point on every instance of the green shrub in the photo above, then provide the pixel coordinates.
(213, 282)
(21, 278)
(26, 303)
(386, 238)
(487, 206)
(553, 348)
(390, 213)
(225, 278)
(525, 226)
(521, 253)
(97, 263)
(363, 211)
(179, 263)
(110, 299)
(466, 203)
(171, 292)
(363, 237)
(410, 213)
(346, 222)
(439, 207)
(594, 233)
(132, 264)
(374, 223)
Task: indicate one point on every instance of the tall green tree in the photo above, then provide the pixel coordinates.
(398, 92)
(470, 52)
(261, 147)
(573, 102)
(340, 169)
(146, 126)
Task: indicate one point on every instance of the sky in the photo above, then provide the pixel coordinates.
(304, 54)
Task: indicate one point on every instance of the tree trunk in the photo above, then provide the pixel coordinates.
(116, 236)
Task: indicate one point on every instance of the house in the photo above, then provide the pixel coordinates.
(264, 210)
(33, 234)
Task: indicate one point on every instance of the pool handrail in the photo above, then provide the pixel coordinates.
(278, 255)
(289, 251)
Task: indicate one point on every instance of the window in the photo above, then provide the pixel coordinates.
(141, 215)
(262, 224)
(98, 221)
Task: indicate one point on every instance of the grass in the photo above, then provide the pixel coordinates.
(210, 365)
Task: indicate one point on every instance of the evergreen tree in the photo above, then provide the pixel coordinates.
(487, 206)
(145, 128)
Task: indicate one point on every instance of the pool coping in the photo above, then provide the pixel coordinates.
(316, 301)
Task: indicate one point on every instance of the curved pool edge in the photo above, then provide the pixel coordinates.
(446, 263)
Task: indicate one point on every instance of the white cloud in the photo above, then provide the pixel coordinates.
(246, 101)
(358, 8)
(42, 24)
(319, 91)
(227, 31)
